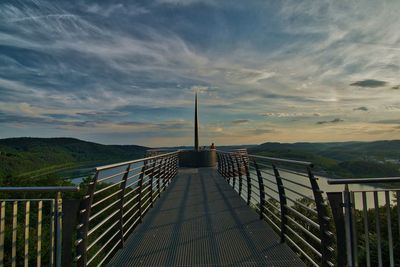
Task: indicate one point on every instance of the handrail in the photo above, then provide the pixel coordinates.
(111, 202)
(298, 162)
(52, 216)
(106, 167)
(364, 180)
(41, 189)
(259, 186)
(371, 204)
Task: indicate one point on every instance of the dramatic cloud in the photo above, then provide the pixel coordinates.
(337, 120)
(240, 121)
(361, 109)
(369, 83)
(126, 72)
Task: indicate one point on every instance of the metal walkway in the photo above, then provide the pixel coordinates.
(201, 221)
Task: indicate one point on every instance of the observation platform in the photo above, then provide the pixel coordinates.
(200, 220)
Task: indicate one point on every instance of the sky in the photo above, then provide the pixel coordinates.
(125, 72)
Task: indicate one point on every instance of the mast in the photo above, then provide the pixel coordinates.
(196, 126)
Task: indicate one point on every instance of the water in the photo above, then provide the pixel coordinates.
(324, 186)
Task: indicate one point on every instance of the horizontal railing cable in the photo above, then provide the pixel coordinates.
(271, 186)
(117, 198)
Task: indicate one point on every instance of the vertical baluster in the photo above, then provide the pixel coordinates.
(240, 168)
(151, 182)
(166, 172)
(2, 230)
(336, 203)
(323, 219)
(261, 189)
(227, 175)
(398, 211)
(378, 228)
(159, 177)
(225, 166)
(389, 225)
(83, 226)
(175, 165)
(366, 228)
(231, 176)
(39, 235)
(52, 231)
(348, 225)
(14, 235)
(163, 172)
(248, 178)
(26, 243)
(354, 229)
(58, 218)
(122, 187)
(169, 170)
(282, 202)
(233, 171)
(219, 162)
(140, 184)
(226, 169)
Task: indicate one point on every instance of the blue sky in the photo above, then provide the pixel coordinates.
(125, 72)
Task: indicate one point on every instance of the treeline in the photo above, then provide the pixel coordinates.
(349, 159)
(36, 161)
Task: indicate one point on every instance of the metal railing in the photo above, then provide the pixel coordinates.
(286, 194)
(368, 231)
(118, 197)
(37, 230)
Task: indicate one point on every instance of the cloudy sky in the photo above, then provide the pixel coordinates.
(125, 72)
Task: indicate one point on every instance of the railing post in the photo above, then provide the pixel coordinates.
(261, 189)
(248, 178)
(239, 168)
(170, 169)
(225, 166)
(219, 162)
(233, 170)
(336, 202)
(140, 185)
(164, 173)
(121, 205)
(176, 164)
(83, 226)
(159, 172)
(57, 227)
(348, 223)
(323, 220)
(282, 202)
(70, 209)
(151, 176)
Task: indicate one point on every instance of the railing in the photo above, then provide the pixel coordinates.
(286, 194)
(118, 197)
(36, 230)
(369, 233)
(158, 151)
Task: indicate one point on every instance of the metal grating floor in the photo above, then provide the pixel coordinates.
(201, 221)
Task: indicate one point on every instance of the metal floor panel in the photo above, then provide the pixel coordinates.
(201, 221)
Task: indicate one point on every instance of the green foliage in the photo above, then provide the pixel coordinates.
(348, 159)
(37, 161)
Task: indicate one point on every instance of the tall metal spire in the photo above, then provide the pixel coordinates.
(196, 126)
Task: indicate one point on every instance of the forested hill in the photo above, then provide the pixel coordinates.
(342, 159)
(33, 157)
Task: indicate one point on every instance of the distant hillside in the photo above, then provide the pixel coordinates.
(35, 157)
(343, 159)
